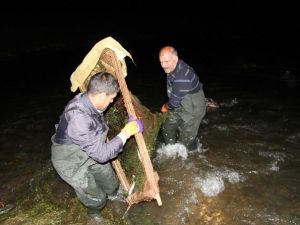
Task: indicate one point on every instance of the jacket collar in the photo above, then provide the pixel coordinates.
(88, 104)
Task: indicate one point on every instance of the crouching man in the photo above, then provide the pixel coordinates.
(80, 153)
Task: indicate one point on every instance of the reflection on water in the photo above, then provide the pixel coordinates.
(244, 171)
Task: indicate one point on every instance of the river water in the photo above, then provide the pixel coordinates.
(246, 167)
(245, 170)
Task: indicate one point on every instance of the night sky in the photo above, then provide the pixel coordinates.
(267, 31)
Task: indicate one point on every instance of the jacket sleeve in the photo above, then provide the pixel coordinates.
(91, 137)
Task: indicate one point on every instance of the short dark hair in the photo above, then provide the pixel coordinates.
(103, 82)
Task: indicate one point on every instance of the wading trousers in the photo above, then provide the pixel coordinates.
(183, 123)
(91, 180)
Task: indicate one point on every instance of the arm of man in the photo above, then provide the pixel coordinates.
(86, 133)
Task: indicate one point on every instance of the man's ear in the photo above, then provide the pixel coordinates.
(176, 58)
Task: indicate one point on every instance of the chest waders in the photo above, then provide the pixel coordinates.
(91, 180)
(183, 122)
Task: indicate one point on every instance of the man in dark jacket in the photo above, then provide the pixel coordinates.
(80, 152)
(186, 104)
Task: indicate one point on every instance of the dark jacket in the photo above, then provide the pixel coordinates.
(180, 82)
(82, 124)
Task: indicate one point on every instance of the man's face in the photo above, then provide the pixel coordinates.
(168, 61)
(104, 100)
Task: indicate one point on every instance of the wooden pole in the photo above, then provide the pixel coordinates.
(121, 174)
(151, 175)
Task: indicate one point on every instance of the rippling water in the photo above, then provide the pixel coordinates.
(246, 167)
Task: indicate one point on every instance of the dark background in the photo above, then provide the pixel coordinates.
(240, 49)
(44, 41)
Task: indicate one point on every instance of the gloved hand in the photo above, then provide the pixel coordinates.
(133, 127)
(164, 108)
(138, 120)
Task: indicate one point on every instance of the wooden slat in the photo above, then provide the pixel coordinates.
(151, 176)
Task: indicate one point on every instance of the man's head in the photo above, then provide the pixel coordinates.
(102, 89)
(168, 58)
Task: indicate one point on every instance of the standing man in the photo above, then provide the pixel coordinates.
(80, 152)
(186, 103)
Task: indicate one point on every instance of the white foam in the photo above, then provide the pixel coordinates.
(211, 185)
(232, 176)
(172, 151)
(213, 182)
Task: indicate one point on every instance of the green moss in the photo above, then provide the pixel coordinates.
(43, 204)
(116, 118)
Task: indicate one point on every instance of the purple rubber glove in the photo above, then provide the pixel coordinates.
(139, 122)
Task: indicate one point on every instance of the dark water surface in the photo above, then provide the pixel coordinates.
(246, 168)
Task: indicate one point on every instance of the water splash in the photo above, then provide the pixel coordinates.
(211, 185)
(213, 182)
(232, 176)
(172, 151)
